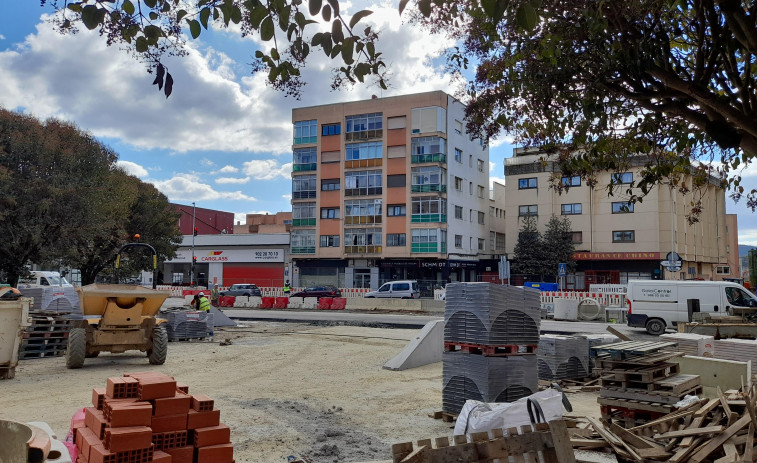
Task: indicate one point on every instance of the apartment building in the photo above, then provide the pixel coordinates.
(616, 240)
(388, 188)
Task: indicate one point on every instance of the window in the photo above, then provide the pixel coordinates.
(331, 129)
(480, 165)
(570, 209)
(329, 241)
(481, 244)
(362, 182)
(329, 212)
(459, 212)
(526, 183)
(429, 240)
(458, 155)
(528, 210)
(429, 119)
(302, 242)
(470, 188)
(362, 240)
(396, 210)
(429, 209)
(395, 239)
(481, 219)
(470, 160)
(622, 207)
(723, 270)
(625, 177)
(362, 211)
(480, 191)
(458, 241)
(624, 236)
(425, 179)
(572, 181)
(331, 184)
(396, 181)
(363, 126)
(458, 127)
(303, 214)
(304, 159)
(429, 149)
(577, 237)
(500, 241)
(305, 132)
(360, 151)
(303, 186)
(458, 184)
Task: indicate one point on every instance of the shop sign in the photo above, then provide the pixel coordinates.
(616, 256)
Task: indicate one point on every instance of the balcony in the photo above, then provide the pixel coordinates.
(421, 158)
(357, 163)
(362, 219)
(428, 247)
(305, 167)
(302, 250)
(429, 188)
(370, 249)
(364, 135)
(310, 222)
(428, 218)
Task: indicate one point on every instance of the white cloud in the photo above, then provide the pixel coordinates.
(232, 180)
(188, 187)
(287, 197)
(207, 162)
(493, 180)
(2, 37)
(267, 169)
(228, 170)
(132, 168)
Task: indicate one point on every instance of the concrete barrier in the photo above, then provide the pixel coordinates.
(727, 374)
(423, 349)
(419, 305)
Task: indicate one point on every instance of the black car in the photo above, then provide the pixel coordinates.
(242, 290)
(318, 291)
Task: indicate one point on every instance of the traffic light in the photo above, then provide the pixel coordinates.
(195, 231)
(194, 259)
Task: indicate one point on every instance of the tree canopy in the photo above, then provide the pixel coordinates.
(671, 80)
(64, 202)
(538, 255)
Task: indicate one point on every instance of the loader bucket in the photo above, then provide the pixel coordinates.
(94, 298)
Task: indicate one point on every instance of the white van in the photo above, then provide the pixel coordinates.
(404, 289)
(41, 278)
(659, 304)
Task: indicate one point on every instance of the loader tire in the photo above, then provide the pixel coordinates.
(159, 351)
(77, 348)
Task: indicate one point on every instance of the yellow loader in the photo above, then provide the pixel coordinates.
(118, 318)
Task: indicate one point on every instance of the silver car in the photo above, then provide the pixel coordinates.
(403, 289)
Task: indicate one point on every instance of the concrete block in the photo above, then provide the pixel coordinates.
(254, 301)
(309, 302)
(716, 372)
(426, 348)
(241, 301)
(295, 303)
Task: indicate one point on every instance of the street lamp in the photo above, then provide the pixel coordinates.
(194, 233)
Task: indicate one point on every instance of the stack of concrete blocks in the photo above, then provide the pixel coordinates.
(490, 335)
(309, 303)
(149, 417)
(742, 350)
(563, 357)
(59, 299)
(189, 325)
(698, 345)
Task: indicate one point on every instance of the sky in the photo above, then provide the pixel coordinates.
(223, 139)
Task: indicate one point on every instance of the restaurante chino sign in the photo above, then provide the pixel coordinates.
(616, 256)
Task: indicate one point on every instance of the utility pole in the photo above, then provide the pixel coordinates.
(192, 269)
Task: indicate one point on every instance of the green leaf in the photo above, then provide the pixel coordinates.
(257, 15)
(314, 6)
(284, 15)
(128, 7)
(267, 29)
(273, 74)
(494, 9)
(153, 16)
(334, 6)
(358, 16)
(151, 3)
(204, 16)
(236, 15)
(274, 54)
(180, 15)
(371, 48)
(326, 13)
(90, 16)
(141, 44)
(403, 5)
(336, 30)
(348, 47)
(425, 7)
(317, 38)
(526, 17)
(194, 28)
(74, 7)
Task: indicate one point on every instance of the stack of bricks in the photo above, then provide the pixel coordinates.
(149, 417)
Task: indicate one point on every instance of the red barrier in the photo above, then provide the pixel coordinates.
(325, 302)
(267, 302)
(281, 303)
(226, 301)
(339, 303)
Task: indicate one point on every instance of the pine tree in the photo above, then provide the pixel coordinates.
(527, 255)
(557, 245)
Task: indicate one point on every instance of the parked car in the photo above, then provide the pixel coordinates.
(318, 291)
(242, 290)
(403, 289)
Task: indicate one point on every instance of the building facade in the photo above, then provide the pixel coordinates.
(206, 221)
(388, 188)
(280, 222)
(616, 240)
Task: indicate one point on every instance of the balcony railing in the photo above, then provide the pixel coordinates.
(428, 247)
(355, 163)
(363, 135)
(362, 219)
(429, 188)
(371, 249)
(310, 222)
(302, 250)
(426, 218)
(435, 157)
(305, 167)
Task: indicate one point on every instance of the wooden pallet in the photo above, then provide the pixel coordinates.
(490, 350)
(673, 385)
(624, 350)
(606, 362)
(645, 374)
(636, 405)
(549, 443)
(648, 396)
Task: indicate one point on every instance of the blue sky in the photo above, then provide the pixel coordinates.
(223, 138)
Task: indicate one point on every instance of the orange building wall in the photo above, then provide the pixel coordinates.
(331, 143)
(396, 137)
(396, 166)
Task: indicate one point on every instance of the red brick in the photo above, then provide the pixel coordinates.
(121, 388)
(223, 453)
(161, 457)
(95, 421)
(181, 454)
(202, 403)
(156, 388)
(108, 404)
(203, 419)
(98, 454)
(181, 387)
(213, 435)
(169, 423)
(170, 440)
(129, 438)
(131, 414)
(98, 395)
(86, 441)
(147, 374)
(171, 405)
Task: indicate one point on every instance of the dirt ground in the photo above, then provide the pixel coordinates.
(283, 388)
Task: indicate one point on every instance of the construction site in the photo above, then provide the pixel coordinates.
(490, 376)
